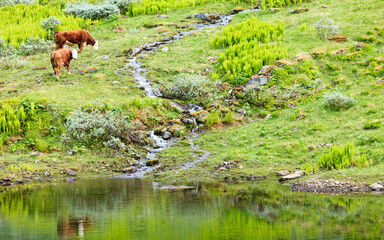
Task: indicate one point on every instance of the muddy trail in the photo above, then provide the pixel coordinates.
(142, 82)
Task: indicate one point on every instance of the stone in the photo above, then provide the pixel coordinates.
(358, 45)
(39, 68)
(254, 177)
(302, 56)
(174, 187)
(339, 51)
(176, 129)
(223, 109)
(207, 17)
(47, 174)
(162, 29)
(129, 170)
(189, 121)
(89, 70)
(164, 49)
(274, 9)
(378, 68)
(299, 10)
(283, 173)
(167, 135)
(115, 82)
(318, 54)
(69, 179)
(376, 187)
(119, 29)
(70, 172)
(282, 63)
(236, 10)
(297, 174)
(33, 154)
(338, 38)
(322, 6)
(161, 16)
(382, 50)
(152, 162)
(380, 81)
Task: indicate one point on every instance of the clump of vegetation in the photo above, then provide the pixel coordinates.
(338, 101)
(326, 27)
(14, 2)
(33, 46)
(96, 128)
(191, 87)
(27, 18)
(213, 118)
(251, 45)
(265, 4)
(258, 96)
(97, 10)
(249, 30)
(372, 124)
(50, 25)
(303, 27)
(343, 157)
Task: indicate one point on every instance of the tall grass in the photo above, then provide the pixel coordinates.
(21, 21)
(250, 46)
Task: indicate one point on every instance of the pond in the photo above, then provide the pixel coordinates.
(137, 209)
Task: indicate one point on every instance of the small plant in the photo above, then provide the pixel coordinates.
(34, 45)
(191, 87)
(213, 118)
(326, 27)
(338, 101)
(50, 25)
(343, 157)
(228, 118)
(303, 27)
(372, 124)
(91, 11)
(258, 96)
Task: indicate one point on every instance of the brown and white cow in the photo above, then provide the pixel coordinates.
(79, 37)
(62, 57)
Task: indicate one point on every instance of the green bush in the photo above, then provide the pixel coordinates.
(259, 96)
(303, 27)
(50, 25)
(97, 128)
(191, 87)
(338, 101)
(372, 124)
(97, 10)
(213, 118)
(343, 157)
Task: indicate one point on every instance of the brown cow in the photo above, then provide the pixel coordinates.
(79, 37)
(62, 57)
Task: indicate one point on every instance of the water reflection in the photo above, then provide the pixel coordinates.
(137, 209)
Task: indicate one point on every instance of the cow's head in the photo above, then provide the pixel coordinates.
(74, 54)
(95, 46)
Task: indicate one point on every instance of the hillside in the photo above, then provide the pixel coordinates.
(318, 95)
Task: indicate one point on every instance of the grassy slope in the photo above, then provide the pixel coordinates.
(285, 141)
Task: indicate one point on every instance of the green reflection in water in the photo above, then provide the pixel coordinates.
(134, 209)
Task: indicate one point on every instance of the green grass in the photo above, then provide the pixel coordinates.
(285, 140)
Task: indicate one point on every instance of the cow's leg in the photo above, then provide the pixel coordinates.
(81, 44)
(58, 70)
(69, 71)
(59, 45)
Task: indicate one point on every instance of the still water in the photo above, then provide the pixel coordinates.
(137, 209)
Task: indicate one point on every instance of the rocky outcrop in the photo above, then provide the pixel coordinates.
(328, 186)
(297, 174)
(236, 10)
(208, 17)
(263, 76)
(337, 38)
(376, 187)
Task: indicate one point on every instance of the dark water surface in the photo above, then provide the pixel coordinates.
(137, 209)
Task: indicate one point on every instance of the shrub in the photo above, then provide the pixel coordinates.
(337, 101)
(27, 19)
(326, 27)
(91, 11)
(342, 157)
(303, 27)
(34, 45)
(258, 96)
(50, 25)
(213, 118)
(191, 87)
(372, 124)
(228, 118)
(97, 128)
(14, 2)
(11, 62)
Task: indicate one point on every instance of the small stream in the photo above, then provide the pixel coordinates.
(142, 82)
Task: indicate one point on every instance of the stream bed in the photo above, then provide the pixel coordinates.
(139, 209)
